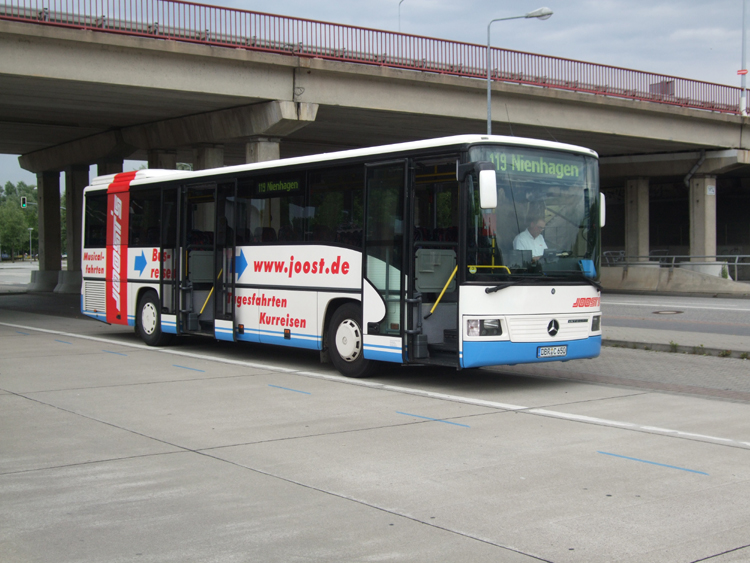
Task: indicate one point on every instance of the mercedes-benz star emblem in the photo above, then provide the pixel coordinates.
(553, 327)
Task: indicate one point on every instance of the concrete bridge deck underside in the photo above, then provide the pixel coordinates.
(73, 98)
(62, 85)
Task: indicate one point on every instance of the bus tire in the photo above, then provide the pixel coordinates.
(148, 321)
(346, 342)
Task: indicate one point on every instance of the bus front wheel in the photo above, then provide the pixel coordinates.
(149, 320)
(346, 341)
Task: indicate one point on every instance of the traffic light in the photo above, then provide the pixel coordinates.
(23, 202)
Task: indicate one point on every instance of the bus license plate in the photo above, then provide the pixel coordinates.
(551, 351)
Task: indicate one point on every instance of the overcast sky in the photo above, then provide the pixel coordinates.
(698, 39)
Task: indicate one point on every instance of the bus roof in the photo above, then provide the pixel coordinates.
(147, 176)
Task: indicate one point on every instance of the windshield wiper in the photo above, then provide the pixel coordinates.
(595, 283)
(524, 281)
(545, 279)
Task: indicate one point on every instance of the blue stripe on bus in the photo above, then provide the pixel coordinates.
(383, 353)
(478, 354)
(224, 334)
(298, 341)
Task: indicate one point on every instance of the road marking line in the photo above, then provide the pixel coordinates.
(288, 389)
(433, 419)
(654, 463)
(191, 369)
(406, 390)
(584, 418)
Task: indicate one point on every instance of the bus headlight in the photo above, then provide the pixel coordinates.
(596, 323)
(472, 327)
(484, 327)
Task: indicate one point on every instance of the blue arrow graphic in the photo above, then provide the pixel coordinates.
(141, 262)
(240, 264)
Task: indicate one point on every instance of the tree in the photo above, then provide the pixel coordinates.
(12, 227)
(14, 221)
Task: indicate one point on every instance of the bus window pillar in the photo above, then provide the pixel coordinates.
(208, 156)
(703, 218)
(636, 219)
(48, 198)
(262, 149)
(76, 178)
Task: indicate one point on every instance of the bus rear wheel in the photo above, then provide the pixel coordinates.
(148, 322)
(346, 342)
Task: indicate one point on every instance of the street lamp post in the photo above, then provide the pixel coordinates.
(743, 72)
(541, 14)
(399, 15)
(30, 254)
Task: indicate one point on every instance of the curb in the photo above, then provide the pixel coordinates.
(678, 349)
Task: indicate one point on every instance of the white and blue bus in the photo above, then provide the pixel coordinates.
(411, 253)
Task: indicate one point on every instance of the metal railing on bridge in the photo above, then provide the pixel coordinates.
(198, 23)
(730, 266)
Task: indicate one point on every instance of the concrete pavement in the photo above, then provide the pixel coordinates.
(112, 451)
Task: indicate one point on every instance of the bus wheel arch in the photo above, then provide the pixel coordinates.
(345, 340)
(148, 319)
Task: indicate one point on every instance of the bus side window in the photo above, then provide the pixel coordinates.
(145, 218)
(95, 235)
(335, 207)
(274, 209)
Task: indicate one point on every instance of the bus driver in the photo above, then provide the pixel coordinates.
(532, 238)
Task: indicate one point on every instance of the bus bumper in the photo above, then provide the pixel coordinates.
(478, 354)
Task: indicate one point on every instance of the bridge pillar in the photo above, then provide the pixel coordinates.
(163, 159)
(208, 156)
(262, 149)
(703, 218)
(76, 178)
(636, 218)
(48, 200)
(108, 167)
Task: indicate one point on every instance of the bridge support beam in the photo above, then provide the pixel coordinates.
(48, 200)
(636, 218)
(703, 218)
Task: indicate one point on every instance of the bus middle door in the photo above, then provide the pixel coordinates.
(197, 261)
(384, 280)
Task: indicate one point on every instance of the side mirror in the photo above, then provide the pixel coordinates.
(602, 210)
(487, 189)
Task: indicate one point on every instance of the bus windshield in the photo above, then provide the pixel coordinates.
(546, 219)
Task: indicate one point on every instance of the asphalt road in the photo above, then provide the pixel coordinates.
(680, 314)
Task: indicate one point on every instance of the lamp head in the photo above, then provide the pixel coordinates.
(540, 13)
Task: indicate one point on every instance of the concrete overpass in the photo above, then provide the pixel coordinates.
(75, 97)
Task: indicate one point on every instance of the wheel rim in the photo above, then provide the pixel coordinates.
(149, 317)
(348, 340)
